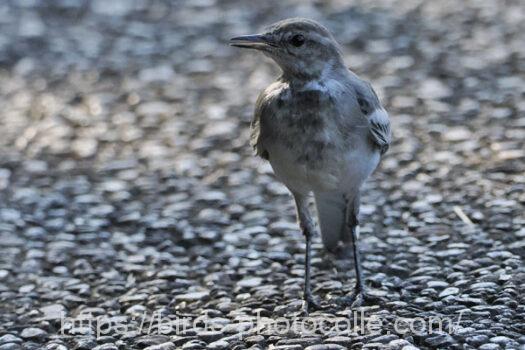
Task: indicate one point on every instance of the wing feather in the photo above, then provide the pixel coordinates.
(378, 121)
(261, 125)
(257, 126)
(379, 129)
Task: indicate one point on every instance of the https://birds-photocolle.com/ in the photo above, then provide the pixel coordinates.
(323, 130)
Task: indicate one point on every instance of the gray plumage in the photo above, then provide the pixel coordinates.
(306, 129)
(320, 126)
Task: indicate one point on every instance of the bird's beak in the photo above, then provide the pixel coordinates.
(255, 41)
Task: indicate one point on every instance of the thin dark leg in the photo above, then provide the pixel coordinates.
(310, 302)
(352, 224)
(359, 285)
(306, 224)
(359, 294)
(307, 264)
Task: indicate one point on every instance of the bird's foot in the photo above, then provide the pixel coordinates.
(310, 304)
(172, 303)
(358, 298)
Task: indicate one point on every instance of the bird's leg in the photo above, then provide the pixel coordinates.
(307, 226)
(359, 294)
(308, 297)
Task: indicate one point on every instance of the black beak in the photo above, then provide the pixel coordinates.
(256, 41)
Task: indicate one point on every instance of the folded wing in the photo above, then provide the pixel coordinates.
(378, 121)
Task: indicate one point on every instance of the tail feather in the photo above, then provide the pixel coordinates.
(331, 211)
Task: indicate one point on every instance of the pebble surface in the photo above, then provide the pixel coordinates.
(129, 194)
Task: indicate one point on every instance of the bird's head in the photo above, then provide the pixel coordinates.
(303, 48)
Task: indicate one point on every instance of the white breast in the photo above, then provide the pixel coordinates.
(342, 167)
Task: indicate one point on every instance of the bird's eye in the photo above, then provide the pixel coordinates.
(297, 40)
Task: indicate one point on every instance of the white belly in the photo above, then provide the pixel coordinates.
(342, 170)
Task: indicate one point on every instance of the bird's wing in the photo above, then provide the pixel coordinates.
(378, 122)
(261, 125)
(257, 126)
(379, 129)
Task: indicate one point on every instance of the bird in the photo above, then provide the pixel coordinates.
(323, 130)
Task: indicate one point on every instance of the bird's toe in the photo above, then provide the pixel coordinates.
(358, 298)
(311, 303)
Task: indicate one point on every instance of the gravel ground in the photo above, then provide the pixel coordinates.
(126, 179)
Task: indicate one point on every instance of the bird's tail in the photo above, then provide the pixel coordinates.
(331, 211)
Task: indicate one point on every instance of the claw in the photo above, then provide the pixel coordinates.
(357, 298)
(171, 303)
(310, 304)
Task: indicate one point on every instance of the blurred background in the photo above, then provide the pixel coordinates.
(126, 178)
